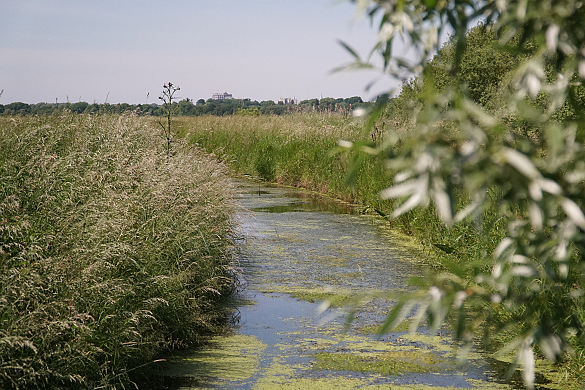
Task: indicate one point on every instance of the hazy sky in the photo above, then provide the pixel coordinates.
(124, 50)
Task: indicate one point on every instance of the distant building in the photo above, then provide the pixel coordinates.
(221, 96)
(288, 101)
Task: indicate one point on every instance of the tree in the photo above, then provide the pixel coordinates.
(17, 108)
(327, 104)
(79, 107)
(536, 273)
(310, 104)
(354, 100)
(186, 107)
(209, 107)
(482, 65)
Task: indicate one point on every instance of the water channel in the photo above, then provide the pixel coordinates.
(304, 261)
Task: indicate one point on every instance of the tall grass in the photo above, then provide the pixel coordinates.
(293, 150)
(110, 252)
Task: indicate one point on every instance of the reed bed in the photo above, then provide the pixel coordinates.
(111, 253)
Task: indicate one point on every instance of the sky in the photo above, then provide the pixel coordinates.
(125, 50)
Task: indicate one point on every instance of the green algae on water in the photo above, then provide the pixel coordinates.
(386, 363)
(226, 358)
(335, 298)
(374, 329)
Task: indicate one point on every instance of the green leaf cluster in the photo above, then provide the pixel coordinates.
(499, 111)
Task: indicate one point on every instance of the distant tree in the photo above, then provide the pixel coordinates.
(186, 107)
(327, 104)
(278, 109)
(79, 107)
(268, 107)
(251, 103)
(354, 100)
(17, 108)
(311, 103)
(209, 107)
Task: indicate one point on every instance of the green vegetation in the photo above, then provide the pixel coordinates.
(481, 158)
(386, 363)
(186, 107)
(299, 150)
(293, 150)
(110, 252)
(224, 359)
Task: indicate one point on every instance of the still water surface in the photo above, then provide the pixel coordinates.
(297, 252)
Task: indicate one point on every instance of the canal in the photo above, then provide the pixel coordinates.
(305, 264)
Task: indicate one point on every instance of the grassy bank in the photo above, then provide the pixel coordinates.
(110, 252)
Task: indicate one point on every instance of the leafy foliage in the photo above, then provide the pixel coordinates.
(465, 141)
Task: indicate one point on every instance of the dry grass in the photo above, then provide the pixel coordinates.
(110, 252)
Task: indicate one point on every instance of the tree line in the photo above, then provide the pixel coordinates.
(187, 107)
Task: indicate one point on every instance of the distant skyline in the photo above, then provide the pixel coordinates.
(122, 51)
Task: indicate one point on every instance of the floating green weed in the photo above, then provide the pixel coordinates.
(334, 298)
(374, 329)
(385, 363)
(225, 358)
